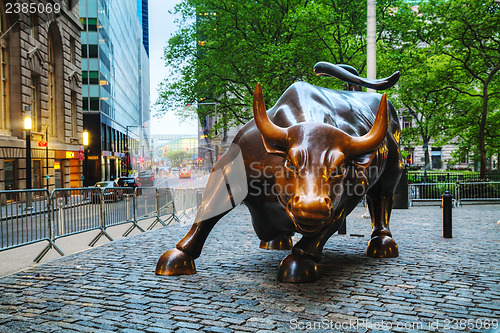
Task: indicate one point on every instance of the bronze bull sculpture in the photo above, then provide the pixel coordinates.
(303, 166)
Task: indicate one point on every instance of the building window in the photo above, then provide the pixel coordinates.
(94, 103)
(406, 122)
(58, 111)
(90, 51)
(33, 23)
(91, 77)
(89, 23)
(436, 160)
(93, 51)
(72, 51)
(91, 104)
(10, 172)
(36, 116)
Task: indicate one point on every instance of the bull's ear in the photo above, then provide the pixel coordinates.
(273, 148)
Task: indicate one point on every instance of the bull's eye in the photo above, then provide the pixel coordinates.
(289, 165)
(337, 172)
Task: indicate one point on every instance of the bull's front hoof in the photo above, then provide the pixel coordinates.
(298, 268)
(175, 262)
(280, 243)
(382, 246)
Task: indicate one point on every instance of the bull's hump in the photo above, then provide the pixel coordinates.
(304, 102)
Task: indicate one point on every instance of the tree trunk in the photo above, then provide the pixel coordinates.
(482, 126)
(426, 157)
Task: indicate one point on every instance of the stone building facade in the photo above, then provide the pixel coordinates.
(40, 63)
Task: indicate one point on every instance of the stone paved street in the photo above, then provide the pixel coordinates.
(435, 285)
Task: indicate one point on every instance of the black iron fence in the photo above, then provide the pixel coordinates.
(449, 177)
(461, 193)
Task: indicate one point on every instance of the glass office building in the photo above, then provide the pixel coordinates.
(115, 88)
(143, 14)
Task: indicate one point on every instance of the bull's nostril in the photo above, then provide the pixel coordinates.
(296, 199)
(327, 201)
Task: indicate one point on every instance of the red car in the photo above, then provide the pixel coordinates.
(184, 173)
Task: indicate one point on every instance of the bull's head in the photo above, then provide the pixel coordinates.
(315, 162)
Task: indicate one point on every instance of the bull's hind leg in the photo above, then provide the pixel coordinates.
(226, 188)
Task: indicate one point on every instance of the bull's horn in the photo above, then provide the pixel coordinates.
(267, 128)
(370, 141)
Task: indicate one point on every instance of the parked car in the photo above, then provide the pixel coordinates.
(146, 178)
(126, 182)
(184, 173)
(110, 191)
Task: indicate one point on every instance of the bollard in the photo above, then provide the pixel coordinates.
(199, 196)
(446, 204)
(343, 229)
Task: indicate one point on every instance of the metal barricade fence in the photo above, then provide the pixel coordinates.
(166, 205)
(429, 192)
(30, 216)
(191, 202)
(478, 191)
(145, 203)
(75, 210)
(118, 206)
(24, 217)
(185, 202)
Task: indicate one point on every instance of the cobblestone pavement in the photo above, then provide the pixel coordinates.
(434, 285)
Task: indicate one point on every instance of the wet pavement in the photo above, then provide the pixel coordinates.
(435, 285)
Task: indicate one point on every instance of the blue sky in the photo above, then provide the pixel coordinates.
(161, 27)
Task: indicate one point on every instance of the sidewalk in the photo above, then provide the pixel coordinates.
(436, 284)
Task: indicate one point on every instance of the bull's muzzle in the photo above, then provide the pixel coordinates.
(308, 213)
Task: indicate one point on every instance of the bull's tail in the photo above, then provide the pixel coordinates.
(350, 75)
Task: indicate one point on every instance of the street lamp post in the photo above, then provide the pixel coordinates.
(85, 153)
(27, 127)
(371, 41)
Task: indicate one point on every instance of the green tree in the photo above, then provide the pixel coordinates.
(224, 47)
(466, 33)
(178, 157)
(427, 104)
